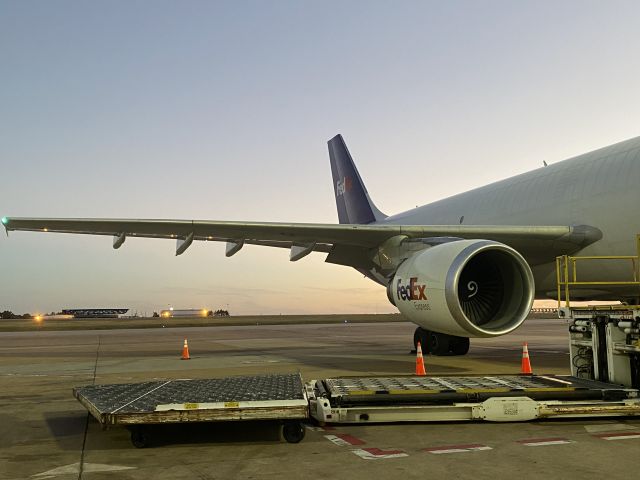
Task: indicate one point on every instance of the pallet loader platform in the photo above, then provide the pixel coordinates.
(498, 398)
(264, 397)
(285, 398)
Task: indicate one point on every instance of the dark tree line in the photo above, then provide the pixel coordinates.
(7, 315)
(210, 313)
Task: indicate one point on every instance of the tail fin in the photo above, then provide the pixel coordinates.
(352, 198)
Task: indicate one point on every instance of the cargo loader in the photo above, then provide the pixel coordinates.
(604, 347)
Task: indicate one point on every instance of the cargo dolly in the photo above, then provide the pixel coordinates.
(279, 398)
(605, 382)
(286, 399)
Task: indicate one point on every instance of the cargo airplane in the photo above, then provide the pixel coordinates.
(466, 266)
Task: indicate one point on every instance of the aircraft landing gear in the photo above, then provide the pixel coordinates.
(421, 335)
(459, 345)
(439, 344)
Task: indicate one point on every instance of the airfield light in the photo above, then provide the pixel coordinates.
(45, 229)
(5, 220)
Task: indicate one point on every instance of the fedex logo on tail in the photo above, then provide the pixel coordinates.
(343, 186)
(411, 291)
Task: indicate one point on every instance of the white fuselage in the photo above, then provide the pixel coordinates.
(599, 189)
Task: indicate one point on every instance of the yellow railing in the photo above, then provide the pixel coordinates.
(567, 275)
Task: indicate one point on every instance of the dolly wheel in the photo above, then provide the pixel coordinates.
(293, 432)
(139, 438)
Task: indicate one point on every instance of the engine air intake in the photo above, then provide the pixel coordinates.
(471, 288)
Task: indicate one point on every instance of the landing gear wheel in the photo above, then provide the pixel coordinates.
(459, 345)
(421, 335)
(293, 432)
(439, 343)
(139, 438)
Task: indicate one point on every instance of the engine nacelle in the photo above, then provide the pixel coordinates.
(468, 288)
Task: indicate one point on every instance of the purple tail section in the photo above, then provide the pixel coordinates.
(352, 198)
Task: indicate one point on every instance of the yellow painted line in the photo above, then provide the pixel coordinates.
(617, 308)
(550, 389)
(412, 392)
(191, 406)
(602, 257)
(362, 392)
(483, 390)
(231, 404)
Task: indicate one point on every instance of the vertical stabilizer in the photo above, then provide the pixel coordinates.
(352, 198)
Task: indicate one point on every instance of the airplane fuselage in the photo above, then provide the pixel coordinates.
(599, 189)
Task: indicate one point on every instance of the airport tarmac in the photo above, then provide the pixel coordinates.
(46, 433)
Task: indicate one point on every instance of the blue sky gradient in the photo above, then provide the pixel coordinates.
(222, 110)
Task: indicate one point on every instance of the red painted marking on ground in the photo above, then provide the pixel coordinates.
(451, 447)
(542, 440)
(350, 439)
(454, 447)
(377, 451)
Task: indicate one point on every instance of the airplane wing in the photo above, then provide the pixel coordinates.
(304, 238)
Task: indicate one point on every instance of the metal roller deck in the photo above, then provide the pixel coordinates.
(261, 397)
(375, 390)
(287, 399)
(456, 398)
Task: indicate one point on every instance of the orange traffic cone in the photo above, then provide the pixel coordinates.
(185, 351)
(526, 363)
(420, 370)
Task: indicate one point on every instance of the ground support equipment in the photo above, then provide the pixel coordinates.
(286, 399)
(263, 397)
(498, 398)
(605, 344)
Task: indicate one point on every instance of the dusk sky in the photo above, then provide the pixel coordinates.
(222, 111)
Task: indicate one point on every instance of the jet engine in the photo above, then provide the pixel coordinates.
(466, 288)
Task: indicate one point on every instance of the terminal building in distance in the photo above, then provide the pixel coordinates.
(95, 312)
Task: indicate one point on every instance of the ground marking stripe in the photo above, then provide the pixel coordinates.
(617, 436)
(609, 427)
(74, 469)
(350, 439)
(344, 440)
(337, 440)
(457, 448)
(538, 442)
(378, 454)
(313, 428)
